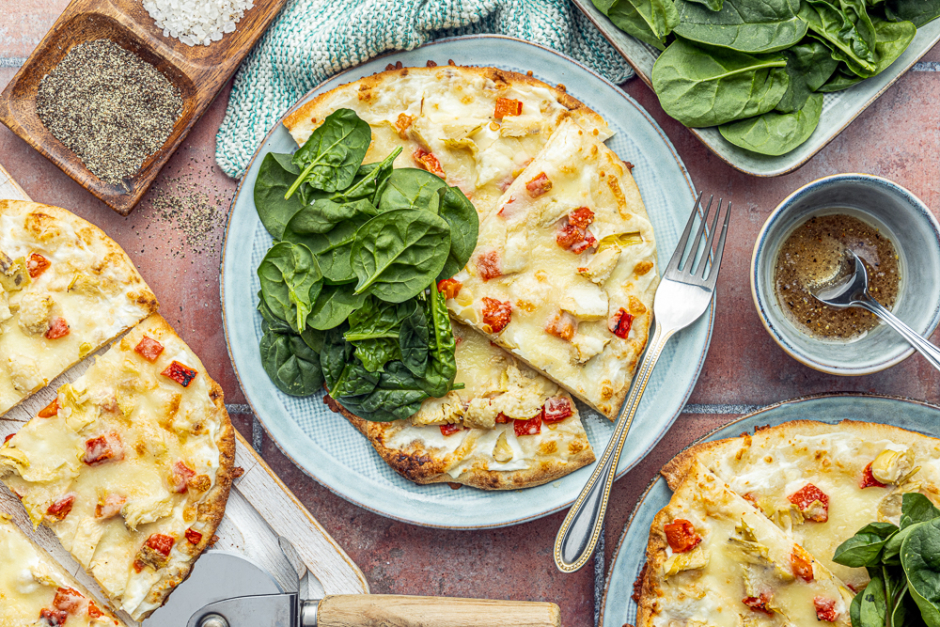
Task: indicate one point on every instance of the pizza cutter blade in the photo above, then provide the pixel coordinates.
(227, 590)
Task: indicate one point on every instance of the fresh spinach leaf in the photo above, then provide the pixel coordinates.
(333, 306)
(332, 249)
(892, 39)
(775, 133)
(354, 380)
(920, 557)
(334, 355)
(397, 254)
(409, 188)
(290, 282)
(374, 330)
(864, 548)
(647, 20)
(414, 342)
(874, 608)
(398, 395)
(916, 508)
(742, 25)
(269, 319)
(809, 66)
(275, 176)
(313, 338)
(843, 78)
(843, 35)
(855, 610)
(324, 214)
(701, 86)
(442, 363)
(892, 550)
(370, 180)
(290, 363)
(918, 12)
(331, 156)
(460, 214)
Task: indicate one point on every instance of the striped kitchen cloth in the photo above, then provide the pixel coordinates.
(313, 39)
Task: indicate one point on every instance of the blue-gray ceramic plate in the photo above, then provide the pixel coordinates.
(618, 608)
(329, 449)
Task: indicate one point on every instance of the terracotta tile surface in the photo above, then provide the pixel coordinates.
(898, 137)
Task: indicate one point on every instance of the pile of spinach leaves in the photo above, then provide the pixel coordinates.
(756, 69)
(349, 292)
(903, 562)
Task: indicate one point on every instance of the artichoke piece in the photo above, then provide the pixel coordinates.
(692, 560)
(502, 452)
(893, 467)
(14, 275)
(620, 240)
(788, 518)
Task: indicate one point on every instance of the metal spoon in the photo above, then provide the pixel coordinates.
(851, 290)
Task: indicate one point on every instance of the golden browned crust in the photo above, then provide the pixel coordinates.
(650, 590)
(424, 467)
(503, 78)
(676, 470)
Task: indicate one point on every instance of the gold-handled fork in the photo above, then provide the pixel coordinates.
(682, 297)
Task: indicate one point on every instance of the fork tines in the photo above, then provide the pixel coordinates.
(701, 257)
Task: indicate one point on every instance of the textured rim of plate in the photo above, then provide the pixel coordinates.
(343, 490)
(710, 136)
(658, 479)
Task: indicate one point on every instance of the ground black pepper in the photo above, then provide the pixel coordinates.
(110, 107)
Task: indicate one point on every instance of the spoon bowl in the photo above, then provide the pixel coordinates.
(847, 287)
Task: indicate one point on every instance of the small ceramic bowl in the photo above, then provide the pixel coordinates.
(912, 229)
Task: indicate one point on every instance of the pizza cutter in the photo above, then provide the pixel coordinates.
(227, 590)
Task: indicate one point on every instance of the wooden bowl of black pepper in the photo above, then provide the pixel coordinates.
(802, 244)
(108, 98)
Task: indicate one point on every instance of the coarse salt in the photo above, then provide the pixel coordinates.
(196, 22)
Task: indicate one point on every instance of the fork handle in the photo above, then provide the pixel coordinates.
(577, 538)
(930, 352)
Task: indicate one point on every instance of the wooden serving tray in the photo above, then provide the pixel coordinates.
(198, 71)
(260, 507)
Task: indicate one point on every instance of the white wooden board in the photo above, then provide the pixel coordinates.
(260, 507)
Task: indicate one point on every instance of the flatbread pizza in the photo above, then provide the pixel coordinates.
(130, 466)
(66, 289)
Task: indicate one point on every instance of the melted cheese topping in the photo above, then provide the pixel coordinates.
(771, 470)
(29, 580)
(484, 370)
(90, 283)
(742, 554)
(159, 423)
(542, 280)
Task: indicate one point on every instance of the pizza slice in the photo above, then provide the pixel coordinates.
(36, 591)
(714, 560)
(564, 273)
(66, 289)
(822, 482)
(476, 128)
(130, 466)
(507, 428)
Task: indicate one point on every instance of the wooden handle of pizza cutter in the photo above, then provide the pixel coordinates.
(386, 610)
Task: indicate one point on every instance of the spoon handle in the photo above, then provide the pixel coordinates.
(930, 352)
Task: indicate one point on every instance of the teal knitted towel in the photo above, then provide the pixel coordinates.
(313, 39)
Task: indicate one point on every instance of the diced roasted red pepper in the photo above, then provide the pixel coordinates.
(179, 477)
(403, 123)
(556, 409)
(589, 241)
(102, 449)
(620, 323)
(93, 611)
(427, 161)
(54, 618)
(61, 508)
(681, 535)
(488, 265)
(801, 563)
(161, 543)
(562, 325)
(193, 536)
(868, 480)
(582, 217)
(502, 419)
(568, 235)
(450, 429)
(532, 426)
(68, 600)
(58, 328)
(149, 349)
(496, 314)
(759, 604)
(36, 265)
(180, 373)
(813, 503)
(506, 107)
(449, 288)
(825, 609)
(8, 438)
(539, 185)
(49, 410)
(110, 507)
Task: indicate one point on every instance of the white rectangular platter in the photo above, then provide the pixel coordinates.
(260, 507)
(839, 109)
